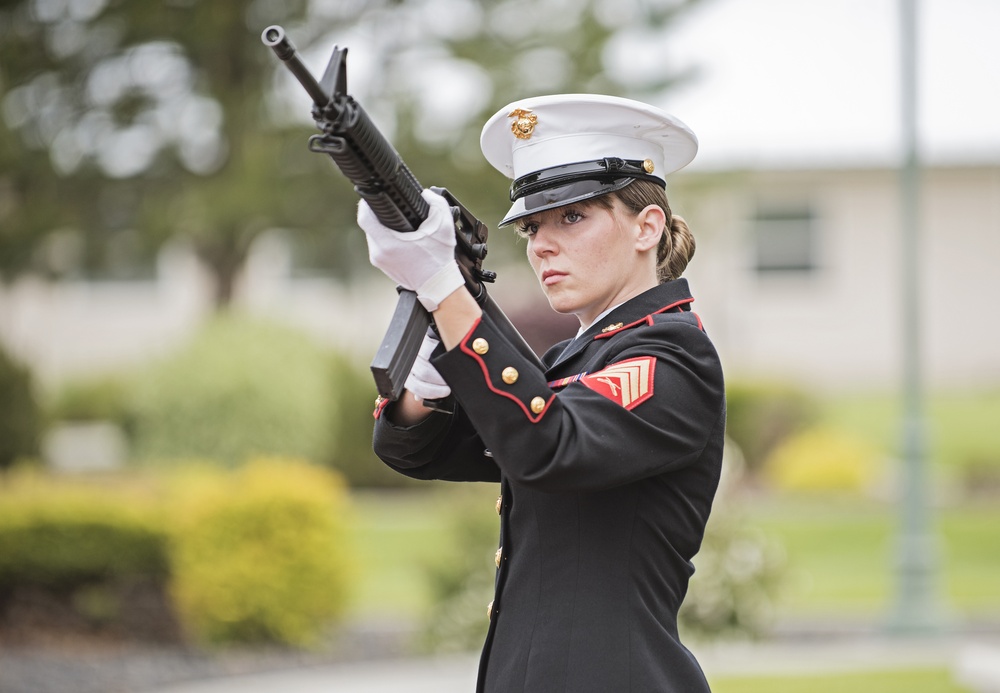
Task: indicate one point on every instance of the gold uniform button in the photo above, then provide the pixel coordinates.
(499, 504)
(537, 405)
(489, 611)
(509, 375)
(499, 556)
(480, 346)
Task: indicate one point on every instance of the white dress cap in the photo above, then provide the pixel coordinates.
(568, 147)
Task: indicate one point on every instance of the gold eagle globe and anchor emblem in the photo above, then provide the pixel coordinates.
(524, 123)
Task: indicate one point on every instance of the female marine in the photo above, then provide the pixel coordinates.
(608, 458)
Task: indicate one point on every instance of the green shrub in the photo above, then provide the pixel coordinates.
(760, 416)
(20, 418)
(736, 581)
(260, 554)
(351, 425)
(92, 399)
(60, 537)
(823, 459)
(241, 388)
(463, 583)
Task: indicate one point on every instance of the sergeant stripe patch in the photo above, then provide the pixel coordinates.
(629, 383)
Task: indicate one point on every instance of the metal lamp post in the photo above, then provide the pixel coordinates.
(917, 610)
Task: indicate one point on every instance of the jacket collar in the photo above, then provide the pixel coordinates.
(665, 296)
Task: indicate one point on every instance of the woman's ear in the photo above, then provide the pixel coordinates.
(651, 223)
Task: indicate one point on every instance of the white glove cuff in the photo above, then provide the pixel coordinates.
(441, 285)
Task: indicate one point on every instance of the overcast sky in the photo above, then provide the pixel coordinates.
(795, 81)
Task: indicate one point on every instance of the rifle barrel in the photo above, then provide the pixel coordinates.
(274, 38)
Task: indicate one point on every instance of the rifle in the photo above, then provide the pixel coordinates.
(381, 177)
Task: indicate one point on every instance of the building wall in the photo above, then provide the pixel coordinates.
(838, 326)
(841, 325)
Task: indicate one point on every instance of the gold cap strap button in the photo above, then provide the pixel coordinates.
(509, 375)
(480, 346)
(537, 405)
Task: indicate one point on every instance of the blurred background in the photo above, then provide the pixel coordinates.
(187, 316)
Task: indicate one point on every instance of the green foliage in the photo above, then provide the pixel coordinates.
(241, 388)
(823, 459)
(961, 432)
(739, 571)
(462, 583)
(20, 417)
(914, 680)
(187, 144)
(257, 555)
(93, 399)
(61, 537)
(759, 416)
(261, 554)
(352, 423)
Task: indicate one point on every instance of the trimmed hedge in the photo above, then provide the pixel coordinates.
(823, 459)
(260, 555)
(252, 556)
(60, 537)
(241, 388)
(20, 416)
(760, 416)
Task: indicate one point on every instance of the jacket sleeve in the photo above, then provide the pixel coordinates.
(442, 446)
(590, 436)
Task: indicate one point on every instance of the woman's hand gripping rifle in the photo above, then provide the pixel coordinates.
(381, 177)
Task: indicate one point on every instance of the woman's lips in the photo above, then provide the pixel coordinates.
(550, 277)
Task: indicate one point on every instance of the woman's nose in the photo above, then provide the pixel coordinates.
(542, 243)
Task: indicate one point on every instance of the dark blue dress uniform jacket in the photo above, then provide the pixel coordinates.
(607, 480)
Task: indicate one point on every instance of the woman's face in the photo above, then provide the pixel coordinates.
(588, 258)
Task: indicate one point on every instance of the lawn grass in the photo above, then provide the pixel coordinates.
(397, 536)
(960, 427)
(841, 555)
(903, 681)
(840, 551)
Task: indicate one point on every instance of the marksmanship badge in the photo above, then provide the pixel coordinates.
(524, 123)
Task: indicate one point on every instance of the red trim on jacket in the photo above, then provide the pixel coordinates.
(648, 319)
(533, 418)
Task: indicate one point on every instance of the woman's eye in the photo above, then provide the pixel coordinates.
(530, 229)
(572, 217)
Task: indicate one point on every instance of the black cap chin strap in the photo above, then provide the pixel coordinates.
(604, 170)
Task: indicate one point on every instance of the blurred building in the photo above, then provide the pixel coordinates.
(798, 273)
(797, 277)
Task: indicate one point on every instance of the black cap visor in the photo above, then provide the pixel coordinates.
(563, 185)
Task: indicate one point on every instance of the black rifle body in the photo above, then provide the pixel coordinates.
(381, 177)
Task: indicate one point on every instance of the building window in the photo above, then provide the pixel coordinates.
(784, 240)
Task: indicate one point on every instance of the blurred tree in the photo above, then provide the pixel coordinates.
(430, 72)
(126, 123)
(151, 118)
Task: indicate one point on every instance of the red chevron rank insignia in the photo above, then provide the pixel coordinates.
(629, 383)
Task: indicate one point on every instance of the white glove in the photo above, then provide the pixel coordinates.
(421, 260)
(424, 381)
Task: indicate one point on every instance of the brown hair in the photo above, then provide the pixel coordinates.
(677, 244)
